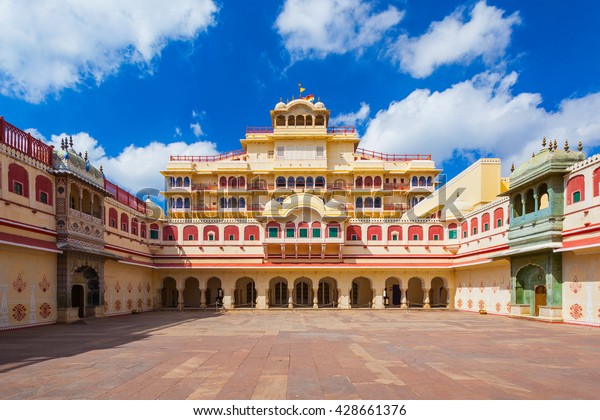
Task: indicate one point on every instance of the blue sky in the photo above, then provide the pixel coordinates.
(135, 82)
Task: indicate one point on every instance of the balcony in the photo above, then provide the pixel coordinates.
(304, 240)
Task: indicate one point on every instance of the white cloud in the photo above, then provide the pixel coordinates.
(35, 133)
(196, 129)
(178, 132)
(49, 45)
(194, 114)
(481, 115)
(486, 34)
(135, 167)
(321, 27)
(352, 118)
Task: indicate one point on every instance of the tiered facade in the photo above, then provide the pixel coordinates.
(301, 217)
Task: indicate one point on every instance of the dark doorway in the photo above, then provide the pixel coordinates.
(396, 295)
(77, 299)
(540, 298)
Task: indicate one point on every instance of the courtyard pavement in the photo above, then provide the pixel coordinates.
(302, 354)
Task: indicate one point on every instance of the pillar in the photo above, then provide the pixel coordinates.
(315, 298)
(403, 300)
(267, 291)
(426, 304)
(232, 299)
(180, 298)
(290, 300)
(202, 298)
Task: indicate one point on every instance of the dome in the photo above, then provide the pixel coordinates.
(153, 211)
(320, 105)
(280, 105)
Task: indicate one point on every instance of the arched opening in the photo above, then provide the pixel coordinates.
(438, 294)
(300, 182)
(300, 121)
(543, 197)
(320, 182)
(319, 120)
(191, 293)
(528, 278)
(358, 182)
(74, 197)
(86, 202)
(279, 292)
(309, 121)
(291, 121)
(368, 182)
(540, 298)
(245, 293)
(361, 293)
(280, 182)
(302, 292)
(327, 294)
(280, 121)
(78, 299)
(517, 205)
(529, 202)
(96, 207)
(310, 183)
(169, 293)
(393, 293)
(214, 292)
(414, 293)
(291, 182)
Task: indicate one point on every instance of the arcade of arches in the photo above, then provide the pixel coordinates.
(296, 290)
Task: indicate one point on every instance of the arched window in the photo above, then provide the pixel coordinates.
(190, 233)
(596, 180)
(517, 206)
(179, 182)
(179, 203)
(291, 121)
(485, 222)
(429, 181)
(358, 182)
(498, 217)
(223, 203)
(86, 201)
(377, 202)
(436, 233)
(474, 226)
(353, 233)
(222, 182)
(242, 203)
(415, 233)
(320, 182)
(300, 121)
(143, 230)
(359, 202)
(575, 189)
(309, 121)
(186, 181)
(452, 227)
(170, 233)
(171, 181)
(415, 181)
(241, 182)
(134, 226)
(394, 233)
(273, 230)
(529, 202)
(415, 201)
(377, 182)
(300, 182)
(232, 233)
(124, 222)
(374, 233)
(186, 203)
(112, 218)
(232, 182)
(280, 122)
(280, 182)
(368, 203)
(290, 230)
(319, 120)
(74, 197)
(543, 197)
(251, 233)
(43, 190)
(210, 233)
(310, 182)
(154, 231)
(232, 203)
(422, 181)
(291, 182)
(368, 182)
(464, 229)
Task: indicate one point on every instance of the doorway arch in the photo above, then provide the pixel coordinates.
(169, 295)
(191, 293)
(414, 293)
(279, 292)
(361, 293)
(78, 299)
(245, 293)
(214, 292)
(327, 293)
(438, 293)
(393, 292)
(303, 292)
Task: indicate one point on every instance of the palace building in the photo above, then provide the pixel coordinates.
(300, 217)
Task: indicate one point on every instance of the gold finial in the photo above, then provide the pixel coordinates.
(566, 145)
(71, 141)
(544, 142)
(555, 145)
(62, 143)
(101, 169)
(86, 157)
(533, 154)
(580, 146)
(512, 168)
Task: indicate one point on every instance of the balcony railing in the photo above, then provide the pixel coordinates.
(124, 197)
(341, 130)
(17, 139)
(390, 157)
(211, 158)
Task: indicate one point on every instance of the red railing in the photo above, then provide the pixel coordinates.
(390, 157)
(17, 139)
(124, 197)
(212, 158)
(341, 130)
(259, 130)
